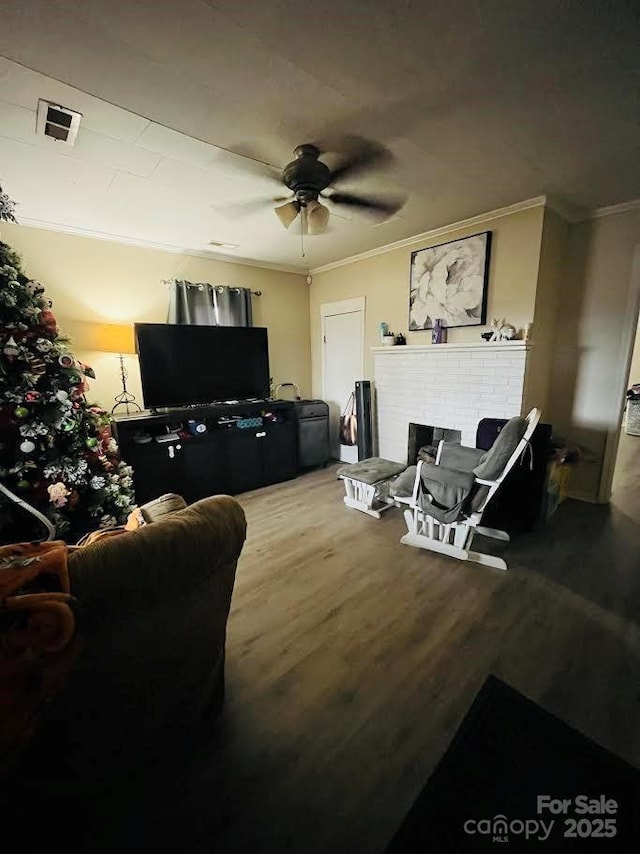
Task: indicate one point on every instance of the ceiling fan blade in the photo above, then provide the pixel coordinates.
(245, 160)
(386, 207)
(235, 210)
(359, 155)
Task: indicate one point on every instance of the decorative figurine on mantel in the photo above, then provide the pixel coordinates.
(500, 331)
(439, 332)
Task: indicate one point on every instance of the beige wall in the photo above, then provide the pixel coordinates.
(634, 371)
(98, 281)
(384, 282)
(591, 351)
(578, 301)
(548, 306)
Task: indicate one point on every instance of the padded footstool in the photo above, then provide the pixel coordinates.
(367, 482)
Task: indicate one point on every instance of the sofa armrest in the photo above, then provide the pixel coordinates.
(127, 573)
(153, 609)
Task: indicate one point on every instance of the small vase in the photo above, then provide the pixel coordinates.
(439, 332)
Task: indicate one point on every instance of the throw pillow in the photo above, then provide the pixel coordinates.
(492, 463)
(402, 486)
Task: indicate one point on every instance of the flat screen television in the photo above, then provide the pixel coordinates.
(182, 365)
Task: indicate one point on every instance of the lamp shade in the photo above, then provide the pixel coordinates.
(317, 218)
(287, 213)
(113, 338)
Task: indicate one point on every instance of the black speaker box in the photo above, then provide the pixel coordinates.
(363, 415)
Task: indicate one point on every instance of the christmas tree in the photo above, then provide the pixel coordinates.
(56, 449)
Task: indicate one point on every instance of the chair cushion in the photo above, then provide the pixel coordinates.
(444, 492)
(371, 471)
(402, 486)
(492, 462)
(456, 456)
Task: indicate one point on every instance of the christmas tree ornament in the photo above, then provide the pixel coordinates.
(34, 288)
(32, 396)
(66, 361)
(48, 321)
(37, 367)
(43, 345)
(21, 411)
(27, 447)
(62, 395)
(91, 442)
(11, 349)
(58, 494)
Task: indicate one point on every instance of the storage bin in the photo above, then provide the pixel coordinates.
(632, 424)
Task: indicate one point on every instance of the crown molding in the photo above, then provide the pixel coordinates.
(538, 201)
(611, 210)
(567, 212)
(149, 244)
(571, 215)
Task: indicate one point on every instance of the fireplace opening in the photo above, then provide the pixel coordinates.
(424, 440)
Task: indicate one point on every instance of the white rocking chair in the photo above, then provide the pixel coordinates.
(455, 538)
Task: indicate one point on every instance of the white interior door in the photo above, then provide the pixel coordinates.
(343, 363)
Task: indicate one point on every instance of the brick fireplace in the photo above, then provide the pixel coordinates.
(450, 385)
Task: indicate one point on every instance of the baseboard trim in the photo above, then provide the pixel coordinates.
(587, 497)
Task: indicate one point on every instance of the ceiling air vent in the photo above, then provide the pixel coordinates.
(58, 123)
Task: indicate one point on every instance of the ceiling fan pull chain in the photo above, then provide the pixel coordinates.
(303, 212)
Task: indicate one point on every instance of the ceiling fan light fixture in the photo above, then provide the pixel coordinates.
(317, 218)
(287, 213)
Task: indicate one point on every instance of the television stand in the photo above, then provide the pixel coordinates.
(209, 449)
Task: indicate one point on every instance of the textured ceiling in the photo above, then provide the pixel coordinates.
(483, 104)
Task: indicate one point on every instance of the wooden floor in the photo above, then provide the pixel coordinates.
(352, 659)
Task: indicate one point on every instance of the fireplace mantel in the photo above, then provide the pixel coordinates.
(445, 385)
(485, 346)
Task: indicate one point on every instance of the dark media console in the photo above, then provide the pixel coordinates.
(220, 448)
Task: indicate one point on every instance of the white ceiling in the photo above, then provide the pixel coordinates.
(483, 104)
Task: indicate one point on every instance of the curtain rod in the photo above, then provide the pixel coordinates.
(202, 284)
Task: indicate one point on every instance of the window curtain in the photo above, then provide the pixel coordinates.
(209, 305)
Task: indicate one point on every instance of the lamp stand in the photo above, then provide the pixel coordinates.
(125, 398)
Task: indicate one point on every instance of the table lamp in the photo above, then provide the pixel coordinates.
(118, 339)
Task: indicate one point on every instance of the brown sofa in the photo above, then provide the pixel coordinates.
(152, 612)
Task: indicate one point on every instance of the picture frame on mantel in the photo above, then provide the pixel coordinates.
(449, 282)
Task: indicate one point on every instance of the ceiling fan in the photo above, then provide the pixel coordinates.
(311, 180)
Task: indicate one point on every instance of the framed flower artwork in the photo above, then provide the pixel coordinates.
(449, 282)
